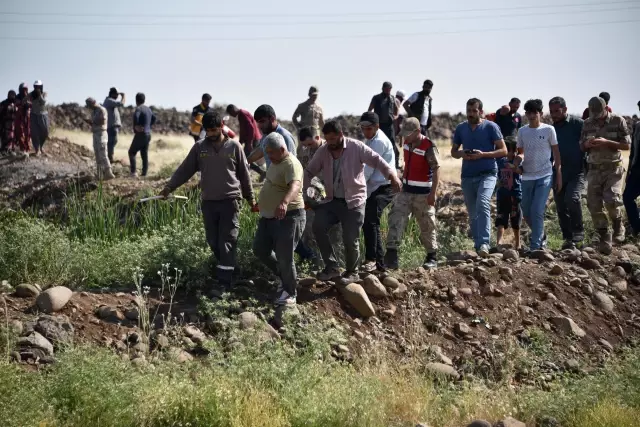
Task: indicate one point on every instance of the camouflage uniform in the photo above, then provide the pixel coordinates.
(605, 173)
(310, 114)
(100, 139)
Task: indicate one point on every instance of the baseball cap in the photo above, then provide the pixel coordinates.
(596, 106)
(313, 90)
(400, 94)
(369, 118)
(409, 126)
(38, 83)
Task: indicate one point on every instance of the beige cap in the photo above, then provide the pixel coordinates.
(409, 126)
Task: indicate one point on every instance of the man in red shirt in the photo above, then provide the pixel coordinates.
(603, 95)
(249, 133)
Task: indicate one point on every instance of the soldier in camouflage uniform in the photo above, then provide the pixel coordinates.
(98, 122)
(418, 196)
(310, 112)
(604, 136)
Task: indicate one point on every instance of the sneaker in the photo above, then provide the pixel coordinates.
(134, 174)
(285, 299)
(327, 275)
(484, 251)
(369, 266)
(430, 263)
(544, 243)
(349, 277)
(568, 245)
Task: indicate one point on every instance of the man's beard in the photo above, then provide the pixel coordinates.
(473, 120)
(334, 147)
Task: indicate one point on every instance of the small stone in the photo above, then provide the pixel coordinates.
(195, 334)
(602, 282)
(132, 314)
(603, 301)
(35, 340)
(140, 361)
(575, 282)
(391, 282)
(506, 271)
(26, 290)
(587, 289)
(358, 334)
(459, 306)
(443, 370)
(567, 326)
(620, 272)
(187, 342)
(620, 285)
(462, 256)
(551, 297)
(466, 291)
(510, 422)
(390, 311)
(606, 344)
(470, 312)
(162, 341)
(467, 270)
(179, 355)
(556, 270)
(400, 291)
(590, 264)
(546, 257)
(510, 255)
(247, 320)
(526, 310)
(343, 349)
(120, 294)
(373, 287)
(355, 295)
(572, 365)
(462, 329)
(53, 299)
(110, 314)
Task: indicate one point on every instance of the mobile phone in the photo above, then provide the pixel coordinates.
(469, 151)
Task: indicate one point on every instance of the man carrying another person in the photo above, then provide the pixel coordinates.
(568, 199)
(249, 134)
(604, 136)
(143, 119)
(98, 122)
(379, 191)
(310, 112)
(385, 106)
(509, 120)
(341, 162)
(114, 123)
(536, 142)
(418, 197)
(195, 127)
(419, 106)
(282, 216)
(224, 180)
(481, 142)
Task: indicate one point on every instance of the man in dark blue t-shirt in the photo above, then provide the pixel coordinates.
(509, 120)
(481, 142)
(143, 119)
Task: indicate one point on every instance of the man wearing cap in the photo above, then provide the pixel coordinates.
(481, 142)
(309, 113)
(632, 187)
(114, 123)
(341, 162)
(604, 95)
(385, 106)
(418, 197)
(224, 181)
(604, 136)
(379, 191)
(419, 106)
(195, 127)
(98, 122)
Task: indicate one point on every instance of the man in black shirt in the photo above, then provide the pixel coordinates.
(385, 106)
(509, 120)
(197, 114)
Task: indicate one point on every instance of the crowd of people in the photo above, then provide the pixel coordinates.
(322, 178)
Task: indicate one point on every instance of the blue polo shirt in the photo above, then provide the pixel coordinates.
(482, 138)
(288, 139)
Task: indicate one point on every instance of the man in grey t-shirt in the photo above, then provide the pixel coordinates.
(111, 104)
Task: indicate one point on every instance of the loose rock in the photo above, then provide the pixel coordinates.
(442, 370)
(57, 330)
(567, 326)
(620, 272)
(462, 329)
(510, 422)
(603, 301)
(373, 287)
(620, 285)
(26, 290)
(132, 314)
(462, 256)
(466, 291)
(54, 299)
(179, 355)
(109, 314)
(16, 327)
(247, 320)
(195, 334)
(590, 264)
(35, 340)
(459, 306)
(162, 342)
(556, 270)
(510, 255)
(479, 423)
(391, 282)
(355, 295)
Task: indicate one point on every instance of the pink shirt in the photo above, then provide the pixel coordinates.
(354, 157)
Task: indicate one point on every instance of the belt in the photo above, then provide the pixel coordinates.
(605, 165)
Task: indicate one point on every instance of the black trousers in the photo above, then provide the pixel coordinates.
(569, 208)
(631, 193)
(221, 226)
(377, 201)
(140, 144)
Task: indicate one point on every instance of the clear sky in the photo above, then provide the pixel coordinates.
(252, 52)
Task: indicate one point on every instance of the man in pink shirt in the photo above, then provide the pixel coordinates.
(340, 163)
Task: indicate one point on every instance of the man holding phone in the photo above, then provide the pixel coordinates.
(482, 143)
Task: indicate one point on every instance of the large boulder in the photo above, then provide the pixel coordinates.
(355, 295)
(54, 299)
(58, 330)
(567, 326)
(36, 340)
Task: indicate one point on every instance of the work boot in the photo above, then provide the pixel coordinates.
(391, 259)
(604, 243)
(618, 231)
(431, 262)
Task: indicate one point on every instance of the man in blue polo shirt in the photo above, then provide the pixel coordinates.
(482, 143)
(265, 116)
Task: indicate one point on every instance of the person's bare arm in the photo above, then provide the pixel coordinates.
(123, 99)
(294, 189)
(255, 155)
(407, 108)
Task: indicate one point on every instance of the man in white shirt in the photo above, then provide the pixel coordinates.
(419, 106)
(536, 143)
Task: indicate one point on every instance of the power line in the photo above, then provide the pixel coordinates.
(324, 37)
(307, 15)
(324, 22)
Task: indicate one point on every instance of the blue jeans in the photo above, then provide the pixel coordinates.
(535, 194)
(477, 192)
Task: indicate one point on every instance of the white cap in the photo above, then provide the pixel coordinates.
(38, 83)
(400, 94)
